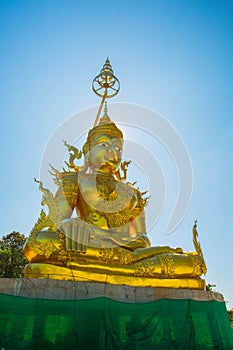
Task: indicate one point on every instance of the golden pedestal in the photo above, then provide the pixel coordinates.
(83, 275)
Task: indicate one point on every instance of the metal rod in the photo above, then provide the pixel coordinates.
(100, 108)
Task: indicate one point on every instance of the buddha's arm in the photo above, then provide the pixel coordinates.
(64, 203)
(66, 196)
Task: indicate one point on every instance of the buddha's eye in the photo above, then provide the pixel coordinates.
(104, 144)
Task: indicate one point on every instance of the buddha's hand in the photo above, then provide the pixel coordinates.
(77, 233)
(119, 239)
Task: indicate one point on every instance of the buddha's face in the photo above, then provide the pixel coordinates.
(105, 154)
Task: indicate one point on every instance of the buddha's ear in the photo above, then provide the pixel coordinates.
(85, 149)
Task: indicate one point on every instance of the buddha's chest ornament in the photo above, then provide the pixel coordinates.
(103, 196)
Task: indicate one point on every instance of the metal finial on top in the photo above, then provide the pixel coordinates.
(105, 85)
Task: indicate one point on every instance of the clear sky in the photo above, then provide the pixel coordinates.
(174, 57)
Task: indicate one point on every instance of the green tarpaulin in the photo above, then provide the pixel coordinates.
(103, 323)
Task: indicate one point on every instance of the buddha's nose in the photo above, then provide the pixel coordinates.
(112, 154)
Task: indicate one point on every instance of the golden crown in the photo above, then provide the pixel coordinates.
(105, 126)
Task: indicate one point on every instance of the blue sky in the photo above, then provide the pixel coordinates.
(174, 57)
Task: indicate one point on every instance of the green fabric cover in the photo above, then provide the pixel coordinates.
(103, 323)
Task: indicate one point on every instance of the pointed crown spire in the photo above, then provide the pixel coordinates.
(105, 119)
(104, 126)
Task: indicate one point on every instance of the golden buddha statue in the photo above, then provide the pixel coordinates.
(107, 240)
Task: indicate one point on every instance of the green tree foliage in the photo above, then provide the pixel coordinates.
(12, 259)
